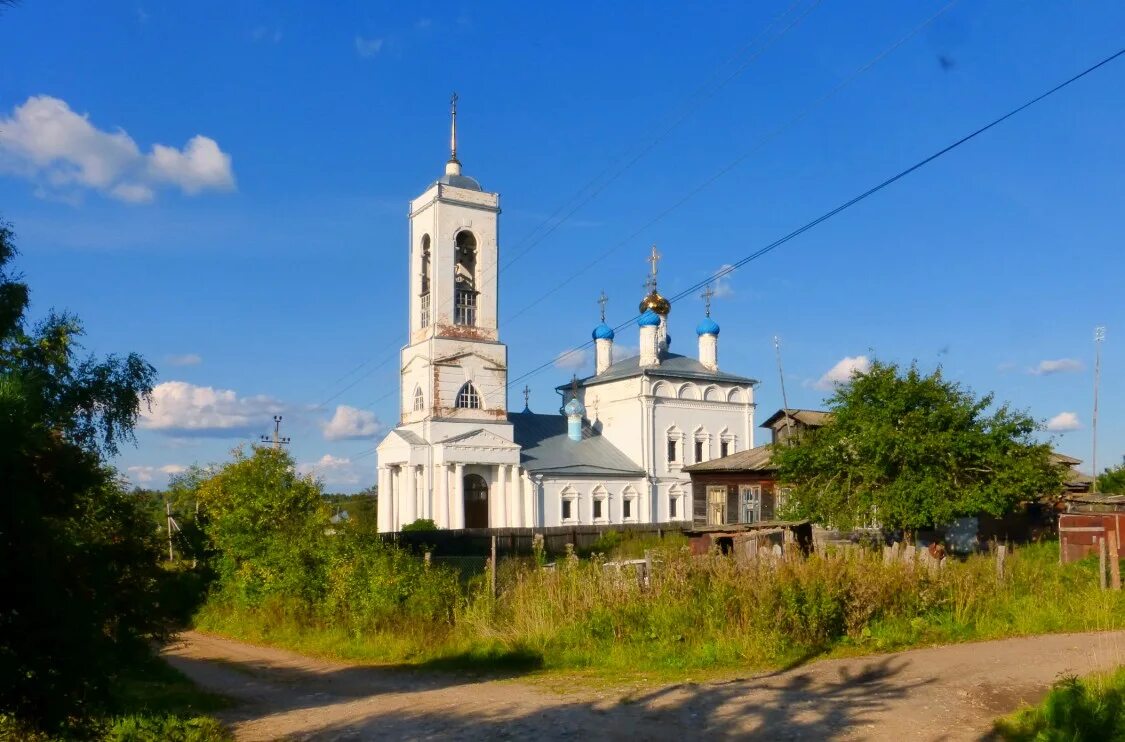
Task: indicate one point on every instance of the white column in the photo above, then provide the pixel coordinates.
(499, 501)
(386, 520)
(517, 498)
(441, 495)
(396, 497)
(458, 503)
(409, 499)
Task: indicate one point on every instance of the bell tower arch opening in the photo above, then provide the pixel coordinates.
(465, 279)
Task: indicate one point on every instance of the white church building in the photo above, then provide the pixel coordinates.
(616, 450)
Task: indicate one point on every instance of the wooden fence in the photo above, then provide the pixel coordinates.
(477, 542)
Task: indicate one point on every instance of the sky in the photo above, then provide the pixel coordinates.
(223, 188)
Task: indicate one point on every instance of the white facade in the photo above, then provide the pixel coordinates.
(459, 458)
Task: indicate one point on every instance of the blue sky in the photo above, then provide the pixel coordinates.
(223, 188)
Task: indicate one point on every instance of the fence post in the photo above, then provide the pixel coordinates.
(1001, 555)
(492, 566)
(1114, 563)
(426, 560)
(1101, 561)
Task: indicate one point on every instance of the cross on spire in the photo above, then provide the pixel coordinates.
(603, 300)
(453, 127)
(526, 397)
(707, 294)
(652, 260)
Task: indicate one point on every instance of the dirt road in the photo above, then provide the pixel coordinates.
(944, 693)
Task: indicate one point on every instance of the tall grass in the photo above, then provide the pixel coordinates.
(694, 613)
(1091, 708)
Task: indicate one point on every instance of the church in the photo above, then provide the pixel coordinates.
(616, 450)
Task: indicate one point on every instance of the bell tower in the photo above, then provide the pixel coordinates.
(454, 367)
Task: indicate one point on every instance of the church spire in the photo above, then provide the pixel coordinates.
(453, 167)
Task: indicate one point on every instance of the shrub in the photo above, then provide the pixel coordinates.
(422, 524)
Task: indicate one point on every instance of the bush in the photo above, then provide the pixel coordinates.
(422, 524)
(1086, 709)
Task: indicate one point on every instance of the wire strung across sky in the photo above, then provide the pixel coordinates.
(600, 182)
(726, 271)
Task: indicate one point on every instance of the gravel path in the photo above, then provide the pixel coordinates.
(943, 693)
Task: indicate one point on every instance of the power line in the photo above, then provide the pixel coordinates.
(697, 98)
(853, 201)
(801, 115)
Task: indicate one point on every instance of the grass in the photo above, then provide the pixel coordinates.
(699, 615)
(155, 703)
(1075, 710)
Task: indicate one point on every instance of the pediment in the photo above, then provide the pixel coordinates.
(479, 438)
(454, 359)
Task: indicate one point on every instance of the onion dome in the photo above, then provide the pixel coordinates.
(574, 408)
(649, 319)
(656, 303)
(603, 332)
(707, 327)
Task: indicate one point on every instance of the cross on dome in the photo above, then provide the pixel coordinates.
(602, 301)
(707, 294)
(526, 397)
(453, 128)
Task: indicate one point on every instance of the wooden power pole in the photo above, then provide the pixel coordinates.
(277, 440)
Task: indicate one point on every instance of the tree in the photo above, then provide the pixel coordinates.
(267, 524)
(78, 556)
(1112, 480)
(912, 451)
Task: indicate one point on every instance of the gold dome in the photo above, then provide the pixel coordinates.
(656, 303)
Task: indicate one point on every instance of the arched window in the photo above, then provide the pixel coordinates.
(465, 279)
(468, 398)
(419, 400)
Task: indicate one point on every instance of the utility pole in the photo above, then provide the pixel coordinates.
(784, 397)
(1099, 338)
(277, 440)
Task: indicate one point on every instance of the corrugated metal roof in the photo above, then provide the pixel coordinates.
(671, 366)
(752, 459)
(1062, 458)
(546, 449)
(812, 418)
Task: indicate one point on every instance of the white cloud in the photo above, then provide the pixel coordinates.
(180, 408)
(62, 152)
(1063, 422)
(572, 359)
(350, 423)
(368, 47)
(721, 285)
(1057, 366)
(187, 359)
(842, 372)
(145, 475)
(334, 470)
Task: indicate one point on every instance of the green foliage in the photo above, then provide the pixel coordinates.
(1112, 480)
(362, 510)
(267, 523)
(910, 451)
(1075, 709)
(78, 556)
(422, 524)
(280, 561)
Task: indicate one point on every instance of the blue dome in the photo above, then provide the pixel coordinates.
(603, 332)
(707, 327)
(574, 407)
(649, 319)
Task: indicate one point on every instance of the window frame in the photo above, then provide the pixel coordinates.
(469, 393)
(568, 498)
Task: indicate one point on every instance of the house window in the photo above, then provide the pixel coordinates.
(751, 496)
(698, 451)
(569, 505)
(782, 498)
(600, 504)
(419, 400)
(424, 304)
(724, 449)
(468, 398)
(629, 504)
(716, 505)
(671, 450)
(673, 507)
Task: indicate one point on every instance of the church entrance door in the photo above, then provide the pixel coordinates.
(476, 501)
